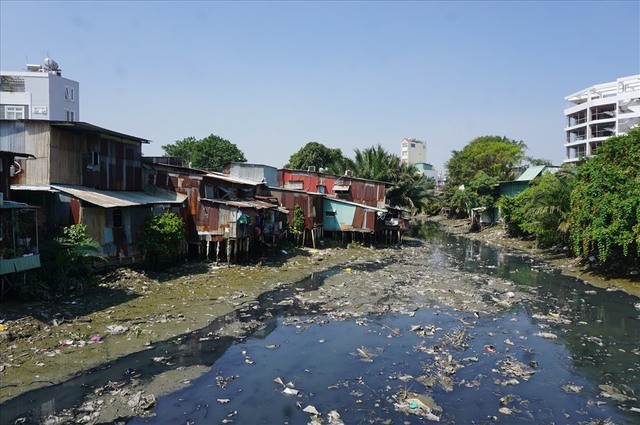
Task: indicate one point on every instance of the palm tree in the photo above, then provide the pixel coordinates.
(408, 188)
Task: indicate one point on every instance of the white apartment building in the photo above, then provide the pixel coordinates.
(39, 93)
(413, 151)
(599, 112)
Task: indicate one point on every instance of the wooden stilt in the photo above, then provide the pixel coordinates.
(217, 252)
(313, 238)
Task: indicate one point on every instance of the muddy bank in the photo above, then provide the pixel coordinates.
(43, 344)
(568, 266)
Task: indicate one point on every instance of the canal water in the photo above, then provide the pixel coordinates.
(570, 354)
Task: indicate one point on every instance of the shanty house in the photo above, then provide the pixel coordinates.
(513, 188)
(221, 210)
(80, 173)
(353, 218)
(362, 191)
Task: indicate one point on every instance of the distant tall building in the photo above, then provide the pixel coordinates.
(39, 93)
(413, 151)
(599, 112)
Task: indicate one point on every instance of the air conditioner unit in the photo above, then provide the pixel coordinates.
(348, 173)
(311, 169)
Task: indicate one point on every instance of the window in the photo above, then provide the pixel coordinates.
(117, 218)
(321, 188)
(70, 115)
(12, 112)
(330, 213)
(413, 145)
(94, 158)
(69, 93)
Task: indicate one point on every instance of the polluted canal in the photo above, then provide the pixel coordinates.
(446, 330)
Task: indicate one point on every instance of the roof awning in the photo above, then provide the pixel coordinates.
(341, 187)
(253, 204)
(119, 198)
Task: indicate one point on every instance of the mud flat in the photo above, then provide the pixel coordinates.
(43, 344)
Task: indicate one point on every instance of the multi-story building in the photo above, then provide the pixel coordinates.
(599, 112)
(413, 151)
(39, 93)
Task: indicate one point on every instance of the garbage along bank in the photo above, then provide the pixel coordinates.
(43, 344)
(487, 310)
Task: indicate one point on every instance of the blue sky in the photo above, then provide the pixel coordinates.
(272, 76)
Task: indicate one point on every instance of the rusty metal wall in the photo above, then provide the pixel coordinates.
(369, 193)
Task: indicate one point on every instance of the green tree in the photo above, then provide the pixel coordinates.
(494, 155)
(315, 154)
(161, 239)
(479, 192)
(605, 203)
(209, 153)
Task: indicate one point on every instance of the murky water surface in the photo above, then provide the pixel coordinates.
(571, 355)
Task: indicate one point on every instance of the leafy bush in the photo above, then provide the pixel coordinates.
(161, 239)
(67, 261)
(541, 210)
(512, 214)
(297, 227)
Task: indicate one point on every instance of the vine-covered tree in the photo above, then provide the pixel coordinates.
(209, 153)
(605, 203)
(494, 155)
(315, 154)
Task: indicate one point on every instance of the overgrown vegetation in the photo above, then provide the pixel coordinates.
(297, 227)
(162, 239)
(541, 210)
(594, 208)
(480, 192)
(605, 203)
(67, 264)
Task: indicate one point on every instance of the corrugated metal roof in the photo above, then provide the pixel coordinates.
(32, 188)
(342, 201)
(531, 173)
(227, 177)
(116, 198)
(258, 205)
(85, 127)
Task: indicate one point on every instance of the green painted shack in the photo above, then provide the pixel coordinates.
(513, 188)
